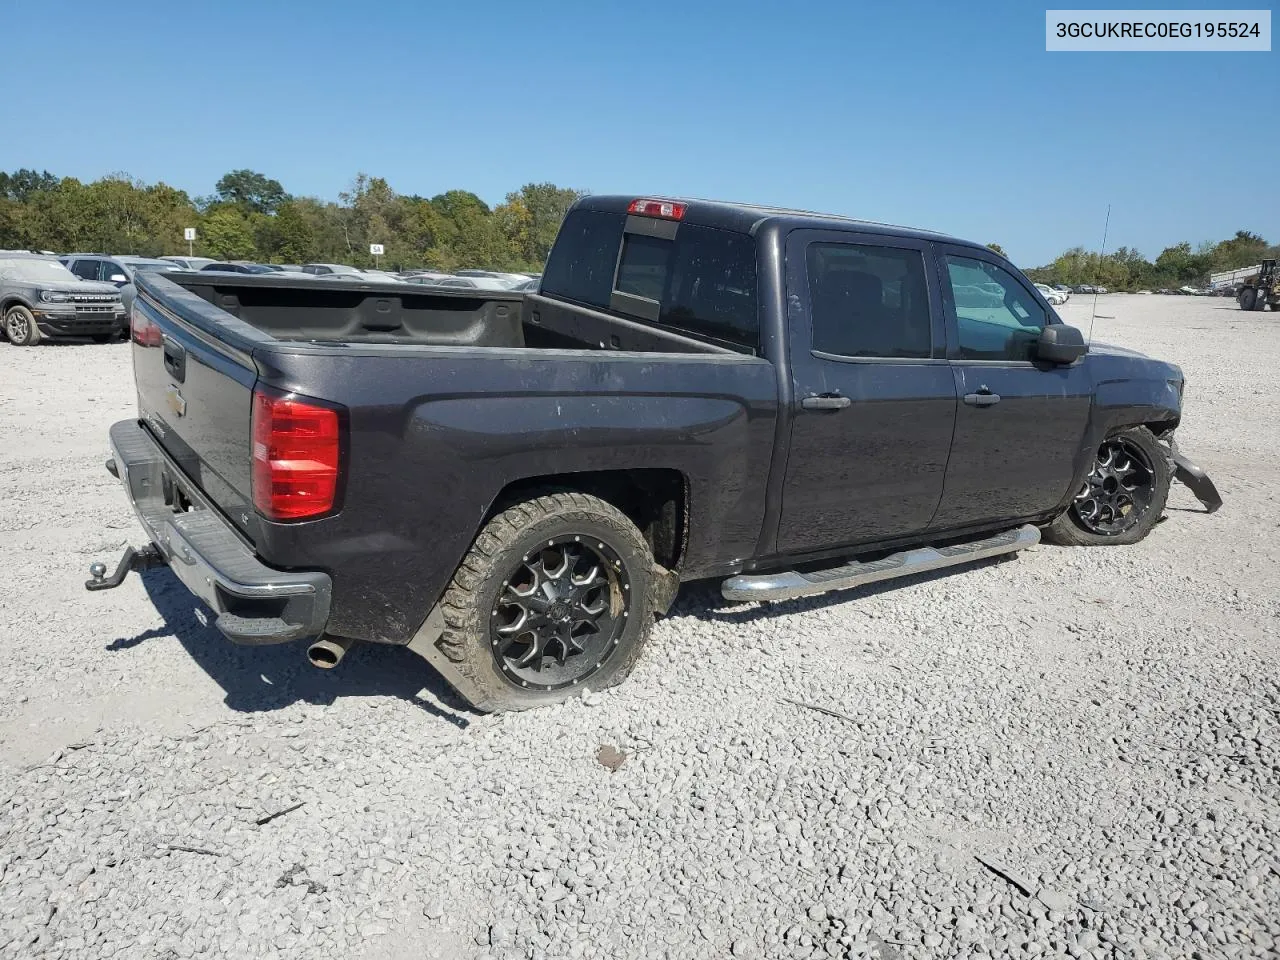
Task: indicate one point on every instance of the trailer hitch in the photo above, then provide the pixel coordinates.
(141, 559)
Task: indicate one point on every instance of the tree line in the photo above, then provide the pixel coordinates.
(250, 216)
(1177, 266)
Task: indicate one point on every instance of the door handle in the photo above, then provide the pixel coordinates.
(828, 401)
(175, 359)
(983, 398)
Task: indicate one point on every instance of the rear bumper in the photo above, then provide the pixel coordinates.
(254, 603)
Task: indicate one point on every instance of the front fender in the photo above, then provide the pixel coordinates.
(1121, 403)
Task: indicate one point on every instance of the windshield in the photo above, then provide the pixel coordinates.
(258, 268)
(149, 267)
(34, 269)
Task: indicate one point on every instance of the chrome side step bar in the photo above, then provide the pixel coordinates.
(790, 583)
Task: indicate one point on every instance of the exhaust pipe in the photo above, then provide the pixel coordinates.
(327, 652)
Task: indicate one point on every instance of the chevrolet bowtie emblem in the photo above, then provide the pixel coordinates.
(176, 402)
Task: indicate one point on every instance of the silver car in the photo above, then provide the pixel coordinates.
(39, 297)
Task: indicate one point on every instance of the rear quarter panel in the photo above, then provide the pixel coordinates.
(437, 433)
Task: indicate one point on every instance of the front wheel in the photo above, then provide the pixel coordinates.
(1123, 496)
(1247, 296)
(20, 327)
(553, 597)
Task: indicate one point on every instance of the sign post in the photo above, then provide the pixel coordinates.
(189, 235)
(377, 250)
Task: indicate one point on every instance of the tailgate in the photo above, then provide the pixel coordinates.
(195, 373)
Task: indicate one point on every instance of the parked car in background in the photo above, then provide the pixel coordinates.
(511, 279)
(227, 267)
(320, 269)
(1055, 297)
(423, 276)
(119, 271)
(473, 283)
(40, 297)
(188, 263)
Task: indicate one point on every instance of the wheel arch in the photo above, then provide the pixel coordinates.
(13, 301)
(655, 499)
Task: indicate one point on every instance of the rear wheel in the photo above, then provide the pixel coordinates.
(20, 327)
(1123, 496)
(553, 597)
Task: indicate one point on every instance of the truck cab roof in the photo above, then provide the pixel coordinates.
(749, 218)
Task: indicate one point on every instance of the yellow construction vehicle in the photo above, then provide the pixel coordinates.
(1261, 288)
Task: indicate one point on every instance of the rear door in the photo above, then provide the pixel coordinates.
(1020, 424)
(874, 397)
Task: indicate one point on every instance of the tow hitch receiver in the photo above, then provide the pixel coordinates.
(140, 559)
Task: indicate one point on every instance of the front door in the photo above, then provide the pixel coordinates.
(873, 396)
(1020, 424)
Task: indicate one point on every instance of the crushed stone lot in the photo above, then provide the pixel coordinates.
(1071, 752)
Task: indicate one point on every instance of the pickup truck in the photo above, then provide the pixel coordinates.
(514, 485)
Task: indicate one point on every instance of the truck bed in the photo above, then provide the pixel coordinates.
(331, 311)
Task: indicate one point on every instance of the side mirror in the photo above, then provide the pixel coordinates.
(119, 278)
(1060, 343)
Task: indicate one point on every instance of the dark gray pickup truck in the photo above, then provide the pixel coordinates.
(514, 485)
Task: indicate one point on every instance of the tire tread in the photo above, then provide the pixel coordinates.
(464, 639)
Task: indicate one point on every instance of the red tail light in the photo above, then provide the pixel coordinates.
(142, 330)
(296, 456)
(666, 209)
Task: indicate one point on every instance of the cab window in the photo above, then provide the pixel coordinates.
(869, 301)
(997, 318)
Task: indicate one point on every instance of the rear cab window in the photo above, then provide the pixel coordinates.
(691, 279)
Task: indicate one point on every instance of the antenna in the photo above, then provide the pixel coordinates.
(1093, 314)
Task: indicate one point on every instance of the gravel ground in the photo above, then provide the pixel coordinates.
(1074, 752)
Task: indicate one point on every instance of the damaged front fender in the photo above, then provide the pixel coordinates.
(1196, 480)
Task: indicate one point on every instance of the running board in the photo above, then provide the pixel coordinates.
(791, 583)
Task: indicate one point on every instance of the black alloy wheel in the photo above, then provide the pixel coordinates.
(1118, 491)
(561, 613)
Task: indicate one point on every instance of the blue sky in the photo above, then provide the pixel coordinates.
(949, 116)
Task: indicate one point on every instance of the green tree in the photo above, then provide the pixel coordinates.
(998, 249)
(470, 234)
(226, 233)
(289, 236)
(22, 184)
(251, 191)
(1242, 250)
(531, 218)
